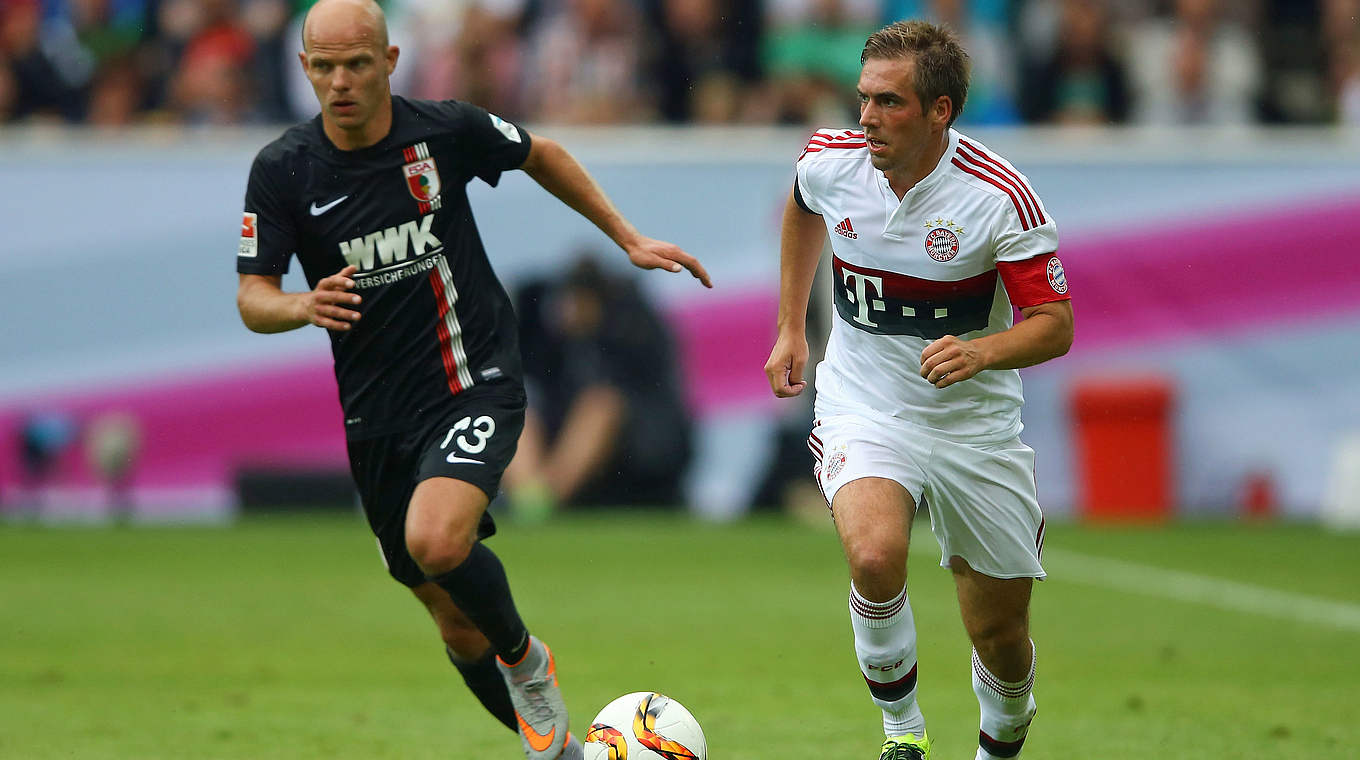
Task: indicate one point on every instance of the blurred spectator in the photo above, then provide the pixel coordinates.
(982, 25)
(785, 13)
(117, 95)
(9, 92)
(120, 62)
(471, 51)
(788, 483)
(811, 56)
(1341, 40)
(989, 12)
(586, 65)
(1198, 66)
(45, 84)
(1294, 87)
(43, 438)
(212, 82)
(103, 29)
(266, 21)
(1080, 81)
(99, 39)
(113, 442)
(607, 423)
(708, 58)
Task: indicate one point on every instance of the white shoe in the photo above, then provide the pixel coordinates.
(539, 708)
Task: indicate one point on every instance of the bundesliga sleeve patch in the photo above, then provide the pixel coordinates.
(250, 236)
(1033, 281)
(506, 128)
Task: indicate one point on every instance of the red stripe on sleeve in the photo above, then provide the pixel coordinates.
(1024, 186)
(981, 161)
(1034, 281)
(825, 139)
(1019, 210)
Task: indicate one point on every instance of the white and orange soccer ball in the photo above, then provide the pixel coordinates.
(645, 725)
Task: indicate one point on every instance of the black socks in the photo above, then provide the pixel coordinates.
(480, 589)
(484, 679)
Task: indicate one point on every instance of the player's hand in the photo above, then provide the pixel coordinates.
(950, 360)
(326, 306)
(658, 254)
(787, 361)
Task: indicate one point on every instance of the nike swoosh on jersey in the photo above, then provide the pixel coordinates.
(539, 742)
(319, 210)
(455, 459)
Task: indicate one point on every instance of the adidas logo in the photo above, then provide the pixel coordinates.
(844, 229)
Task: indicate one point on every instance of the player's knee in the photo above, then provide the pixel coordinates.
(1000, 636)
(881, 561)
(438, 551)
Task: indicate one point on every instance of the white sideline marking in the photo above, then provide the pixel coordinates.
(1203, 589)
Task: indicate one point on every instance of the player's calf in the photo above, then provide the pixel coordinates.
(1007, 708)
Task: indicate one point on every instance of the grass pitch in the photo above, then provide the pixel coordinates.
(283, 638)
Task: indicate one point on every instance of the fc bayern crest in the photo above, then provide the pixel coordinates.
(942, 244)
(1057, 278)
(834, 464)
(422, 179)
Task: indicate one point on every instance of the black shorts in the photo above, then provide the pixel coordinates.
(473, 441)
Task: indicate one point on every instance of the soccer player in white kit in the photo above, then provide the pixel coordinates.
(934, 239)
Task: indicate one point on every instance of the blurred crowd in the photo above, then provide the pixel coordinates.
(119, 62)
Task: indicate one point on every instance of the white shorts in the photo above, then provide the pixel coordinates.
(983, 501)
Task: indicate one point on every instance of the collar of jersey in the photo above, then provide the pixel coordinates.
(896, 229)
(940, 170)
(398, 108)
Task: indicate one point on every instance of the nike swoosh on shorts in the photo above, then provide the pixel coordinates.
(455, 459)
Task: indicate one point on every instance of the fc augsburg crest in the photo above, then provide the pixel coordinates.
(422, 179)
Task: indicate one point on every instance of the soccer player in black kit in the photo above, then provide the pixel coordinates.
(371, 197)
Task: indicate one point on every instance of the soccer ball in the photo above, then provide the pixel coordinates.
(645, 725)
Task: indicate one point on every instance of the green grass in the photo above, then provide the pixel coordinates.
(283, 638)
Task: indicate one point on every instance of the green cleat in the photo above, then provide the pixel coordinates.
(906, 748)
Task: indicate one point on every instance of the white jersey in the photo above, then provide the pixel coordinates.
(954, 256)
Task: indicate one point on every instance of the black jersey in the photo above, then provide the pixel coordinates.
(435, 318)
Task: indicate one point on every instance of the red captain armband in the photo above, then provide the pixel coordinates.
(1036, 280)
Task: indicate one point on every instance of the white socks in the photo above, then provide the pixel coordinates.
(1007, 709)
(885, 642)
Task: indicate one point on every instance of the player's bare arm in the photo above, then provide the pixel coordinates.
(562, 175)
(266, 308)
(801, 238)
(1045, 333)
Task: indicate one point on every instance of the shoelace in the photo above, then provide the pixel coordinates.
(535, 707)
(903, 752)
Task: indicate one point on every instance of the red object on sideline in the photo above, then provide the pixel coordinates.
(1124, 448)
(1258, 495)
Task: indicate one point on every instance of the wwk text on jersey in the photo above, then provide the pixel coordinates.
(392, 253)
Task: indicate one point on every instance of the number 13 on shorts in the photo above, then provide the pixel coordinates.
(471, 436)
